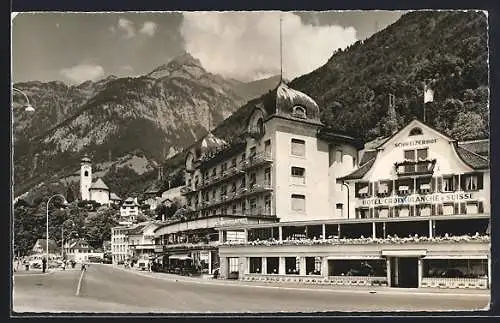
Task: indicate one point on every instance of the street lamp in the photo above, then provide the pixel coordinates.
(62, 235)
(347, 186)
(27, 107)
(47, 233)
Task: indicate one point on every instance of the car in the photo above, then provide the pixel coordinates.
(142, 264)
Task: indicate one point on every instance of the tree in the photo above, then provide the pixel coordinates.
(98, 227)
(469, 125)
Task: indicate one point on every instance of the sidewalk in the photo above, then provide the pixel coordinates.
(365, 289)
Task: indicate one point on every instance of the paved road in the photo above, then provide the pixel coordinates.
(105, 289)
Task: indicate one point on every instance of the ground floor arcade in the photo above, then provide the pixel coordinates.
(446, 264)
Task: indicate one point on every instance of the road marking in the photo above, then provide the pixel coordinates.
(79, 283)
(388, 292)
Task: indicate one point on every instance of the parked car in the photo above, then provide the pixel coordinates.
(142, 264)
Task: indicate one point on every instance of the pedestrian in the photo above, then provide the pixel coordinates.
(84, 268)
(44, 264)
(64, 265)
(149, 266)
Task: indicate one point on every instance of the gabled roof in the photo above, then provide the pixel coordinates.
(115, 197)
(43, 242)
(155, 188)
(99, 185)
(361, 171)
(137, 229)
(78, 243)
(472, 159)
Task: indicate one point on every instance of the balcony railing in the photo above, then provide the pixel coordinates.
(410, 167)
(226, 175)
(257, 160)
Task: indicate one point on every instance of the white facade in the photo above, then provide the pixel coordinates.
(129, 210)
(100, 196)
(119, 244)
(85, 178)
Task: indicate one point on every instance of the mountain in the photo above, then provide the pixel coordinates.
(447, 49)
(152, 116)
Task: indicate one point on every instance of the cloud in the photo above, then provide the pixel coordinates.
(149, 28)
(127, 26)
(246, 45)
(83, 72)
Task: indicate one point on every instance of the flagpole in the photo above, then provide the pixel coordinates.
(425, 89)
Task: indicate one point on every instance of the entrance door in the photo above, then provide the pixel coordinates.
(404, 272)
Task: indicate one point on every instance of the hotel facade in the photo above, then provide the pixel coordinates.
(295, 201)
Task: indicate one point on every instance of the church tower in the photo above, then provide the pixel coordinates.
(85, 177)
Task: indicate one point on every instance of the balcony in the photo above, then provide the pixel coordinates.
(226, 175)
(257, 160)
(412, 168)
(257, 188)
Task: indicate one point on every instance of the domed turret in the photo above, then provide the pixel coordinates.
(295, 103)
(287, 102)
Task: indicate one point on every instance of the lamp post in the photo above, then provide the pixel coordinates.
(47, 224)
(27, 107)
(347, 186)
(62, 235)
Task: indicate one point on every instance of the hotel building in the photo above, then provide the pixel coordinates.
(286, 165)
(414, 213)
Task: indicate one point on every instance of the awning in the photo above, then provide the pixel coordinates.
(179, 257)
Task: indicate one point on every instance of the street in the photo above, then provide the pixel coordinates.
(106, 289)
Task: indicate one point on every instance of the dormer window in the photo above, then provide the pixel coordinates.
(299, 112)
(415, 131)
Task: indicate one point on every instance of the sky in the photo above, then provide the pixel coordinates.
(76, 47)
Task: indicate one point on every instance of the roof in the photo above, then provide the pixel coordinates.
(367, 155)
(99, 185)
(155, 188)
(113, 196)
(361, 171)
(130, 201)
(78, 243)
(480, 147)
(137, 229)
(472, 159)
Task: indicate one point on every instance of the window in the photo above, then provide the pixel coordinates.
(214, 192)
(214, 172)
(233, 264)
(234, 208)
(267, 176)
(267, 146)
(233, 187)
(299, 112)
(338, 156)
(298, 203)
(223, 167)
(260, 126)
(292, 265)
(267, 204)
(470, 182)
(448, 184)
(86, 173)
(415, 131)
(339, 210)
(354, 162)
(362, 213)
(273, 265)
(298, 147)
(298, 175)
(253, 205)
(253, 179)
(233, 162)
(255, 265)
(243, 157)
(243, 206)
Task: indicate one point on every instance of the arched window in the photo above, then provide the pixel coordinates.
(415, 131)
(86, 173)
(299, 112)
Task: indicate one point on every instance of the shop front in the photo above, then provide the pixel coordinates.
(363, 262)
